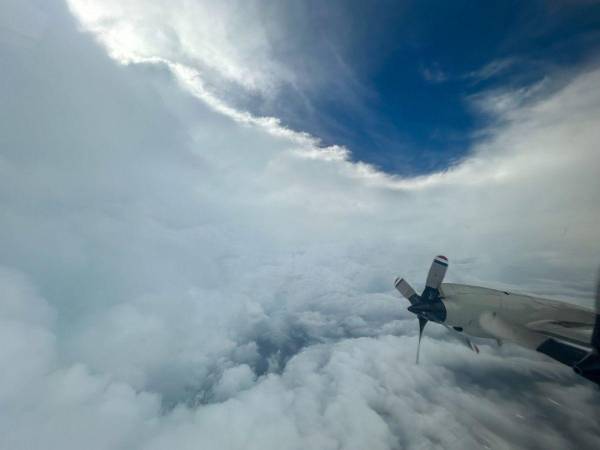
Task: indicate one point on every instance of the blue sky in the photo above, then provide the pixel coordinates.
(403, 74)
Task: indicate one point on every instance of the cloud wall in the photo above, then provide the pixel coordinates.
(174, 277)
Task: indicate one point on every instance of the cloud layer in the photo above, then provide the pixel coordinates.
(176, 277)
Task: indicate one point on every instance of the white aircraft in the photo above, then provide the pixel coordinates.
(567, 333)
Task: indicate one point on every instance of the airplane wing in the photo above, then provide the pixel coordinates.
(550, 318)
(567, 333)
(537, 316)
(574, 332)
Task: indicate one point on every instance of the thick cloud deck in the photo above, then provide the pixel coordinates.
(174, 278)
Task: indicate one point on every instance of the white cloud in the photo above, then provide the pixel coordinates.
(433, 74)
(492, 69)
(223, 37)
(179, 279)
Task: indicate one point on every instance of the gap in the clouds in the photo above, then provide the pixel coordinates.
(274, 349)
(277, 339)
(394, 82)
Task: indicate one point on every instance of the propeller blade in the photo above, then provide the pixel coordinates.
(422, 323)
(437, 271)
(463, 339)
(406, 290)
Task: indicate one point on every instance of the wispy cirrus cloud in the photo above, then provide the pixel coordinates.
(492, 69)
(434, 74)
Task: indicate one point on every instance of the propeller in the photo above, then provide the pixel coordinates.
(428, 306)
(422, 323)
